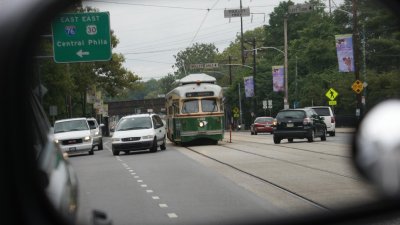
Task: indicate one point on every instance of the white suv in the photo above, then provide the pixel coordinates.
(329, 118)
(95, 130)
(138, 132)
(73, 136)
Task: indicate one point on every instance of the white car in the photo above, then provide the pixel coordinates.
(329, 118)
(73, 136)
(96, 131)
(138, 132)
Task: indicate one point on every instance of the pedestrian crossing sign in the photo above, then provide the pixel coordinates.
(331, 94)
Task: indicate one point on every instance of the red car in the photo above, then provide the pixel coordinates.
(262, 125)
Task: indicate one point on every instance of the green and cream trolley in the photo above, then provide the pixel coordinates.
(195, 110)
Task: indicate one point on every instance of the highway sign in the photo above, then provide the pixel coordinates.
(331, 94)
(228, 13)
(81, 37)
(357, 86)
(300, 8)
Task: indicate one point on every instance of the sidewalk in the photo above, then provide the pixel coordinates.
(338, 130)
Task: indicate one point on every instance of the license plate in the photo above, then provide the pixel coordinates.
(289, 125)
(72, 149)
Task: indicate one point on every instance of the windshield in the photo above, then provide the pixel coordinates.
(134, 123)
(73, 125)
(209, 105)
(189, 62)
(190, 106)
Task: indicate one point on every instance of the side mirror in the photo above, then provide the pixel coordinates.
(376, 147)
(101, 125)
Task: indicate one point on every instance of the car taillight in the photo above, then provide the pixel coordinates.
(274, 122)
(307, 121)
(332, 119)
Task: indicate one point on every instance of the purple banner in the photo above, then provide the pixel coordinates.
(278, 79)
(249, 86)
(344, 49)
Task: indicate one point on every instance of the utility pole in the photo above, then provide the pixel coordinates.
(241, 33)
(240, 105)
(356, 56)
(230, 70)
(286, 100)
(254, 76)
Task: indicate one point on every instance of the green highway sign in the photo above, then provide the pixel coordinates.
(81, 37)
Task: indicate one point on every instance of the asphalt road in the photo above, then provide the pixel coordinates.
(166, 187)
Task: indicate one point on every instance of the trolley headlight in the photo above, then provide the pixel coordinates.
(202, 123)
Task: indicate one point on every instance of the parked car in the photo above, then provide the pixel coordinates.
(73, 135)
(96, 132)
(139, 132)
(298, 124)
(327, 113)
(262, 124)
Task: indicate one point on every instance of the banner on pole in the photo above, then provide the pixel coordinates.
(344, 49)
(249, 86)
(278, 79)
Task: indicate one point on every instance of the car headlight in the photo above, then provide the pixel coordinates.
(56, 141)
(87, 138)
(97, 133)
(115, 139)
(148, 137)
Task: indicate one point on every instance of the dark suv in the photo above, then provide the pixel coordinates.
(299, 124)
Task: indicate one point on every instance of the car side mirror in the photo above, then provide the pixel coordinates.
(101, 125)
(376, 147)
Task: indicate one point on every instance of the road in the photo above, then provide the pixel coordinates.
(249, 177)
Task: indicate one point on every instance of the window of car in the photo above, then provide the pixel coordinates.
(71, 125)
(322, 111)
(263, 119)
(134, 123)
(292, 114)
(92, 124)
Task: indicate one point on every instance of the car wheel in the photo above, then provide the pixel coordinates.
(311, 137)
(251, 132)
(163, 147)
(333, 133)
(91, 152)
(277, 140)
(323, 137)
(100, 145)
(255, 132)
(290, 140)
(115, 152)
(154, 147)
(126, 152)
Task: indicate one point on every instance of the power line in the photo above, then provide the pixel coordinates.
(146, 5)
(202, 22)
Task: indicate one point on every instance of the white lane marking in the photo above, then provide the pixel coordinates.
(149, 191)
(143, 185)
(136, 177)
(140, 181)
(124, 164)
(172, 215)
(155, 197)
(163, 205)
(133, 173)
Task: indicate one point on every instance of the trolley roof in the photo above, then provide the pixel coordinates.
(181, 91)
(197, 78)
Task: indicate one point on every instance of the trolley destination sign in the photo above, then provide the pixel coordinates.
(81, 37)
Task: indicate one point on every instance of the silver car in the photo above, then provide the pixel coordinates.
(96, 132)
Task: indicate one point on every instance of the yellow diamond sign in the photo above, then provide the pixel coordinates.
(357, 86)
(331, 94)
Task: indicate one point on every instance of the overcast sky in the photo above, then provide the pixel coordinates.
(151, 32)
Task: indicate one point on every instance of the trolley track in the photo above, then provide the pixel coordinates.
(301, 149)
(281, 188)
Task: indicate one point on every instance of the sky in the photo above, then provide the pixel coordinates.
(151, 32)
